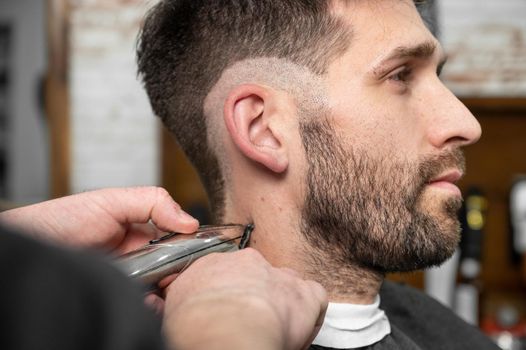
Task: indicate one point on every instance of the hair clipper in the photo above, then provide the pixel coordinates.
(174, 252)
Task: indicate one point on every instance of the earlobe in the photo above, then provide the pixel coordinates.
(248, 118)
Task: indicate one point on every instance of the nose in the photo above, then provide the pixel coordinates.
(450, 122)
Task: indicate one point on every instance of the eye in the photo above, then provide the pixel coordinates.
(401, 75)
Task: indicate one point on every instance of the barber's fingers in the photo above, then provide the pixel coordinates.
(320, 303)
(245, 269)
(137, 235)
(148, 230)
(142, 204)
(289, 271)
(320, 294)
(295, 307)
(104, 218)
(155, 303)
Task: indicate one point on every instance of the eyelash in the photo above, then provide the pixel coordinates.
(401, 75)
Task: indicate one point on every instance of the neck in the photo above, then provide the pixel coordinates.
(277, 236)
(345, 282)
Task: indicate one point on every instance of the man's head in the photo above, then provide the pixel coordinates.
(325, 115)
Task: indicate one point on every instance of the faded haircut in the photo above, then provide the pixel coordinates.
(185, 45)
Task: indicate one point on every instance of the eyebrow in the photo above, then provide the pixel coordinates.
(423, 50)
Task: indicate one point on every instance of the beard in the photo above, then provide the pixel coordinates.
(372, 211)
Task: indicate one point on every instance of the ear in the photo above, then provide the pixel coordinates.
(250, 120)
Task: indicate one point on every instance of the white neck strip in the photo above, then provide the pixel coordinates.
(353, 326)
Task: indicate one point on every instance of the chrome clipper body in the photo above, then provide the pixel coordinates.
(174, 252)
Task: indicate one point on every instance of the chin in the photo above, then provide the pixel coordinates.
(444, 211)
(431, 244)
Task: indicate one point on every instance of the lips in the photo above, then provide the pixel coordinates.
(450, 176)
(446, 181)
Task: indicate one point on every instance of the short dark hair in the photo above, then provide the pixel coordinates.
(185, 45)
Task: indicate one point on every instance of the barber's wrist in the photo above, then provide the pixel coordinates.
(224, 321)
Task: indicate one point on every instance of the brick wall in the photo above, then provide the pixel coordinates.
(486, 43)
(115, 136)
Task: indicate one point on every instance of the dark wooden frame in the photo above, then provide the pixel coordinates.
(495, 103)
(57, 95)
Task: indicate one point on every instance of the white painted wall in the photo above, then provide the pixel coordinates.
(115, 137)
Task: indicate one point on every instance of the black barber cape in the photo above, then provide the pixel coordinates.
(56, 299)
(419, 322)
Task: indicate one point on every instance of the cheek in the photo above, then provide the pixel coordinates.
(375, 128)
(379, 138)
(387, 126)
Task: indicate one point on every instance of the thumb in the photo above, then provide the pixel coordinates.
(142, 204)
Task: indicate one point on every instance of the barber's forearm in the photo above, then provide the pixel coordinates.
(212, 323)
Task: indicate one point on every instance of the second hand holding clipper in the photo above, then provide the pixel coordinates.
(174, 252)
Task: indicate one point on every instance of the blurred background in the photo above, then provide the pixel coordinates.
(73, 117)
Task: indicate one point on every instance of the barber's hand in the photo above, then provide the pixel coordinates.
(111, 219)
(239, 301)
